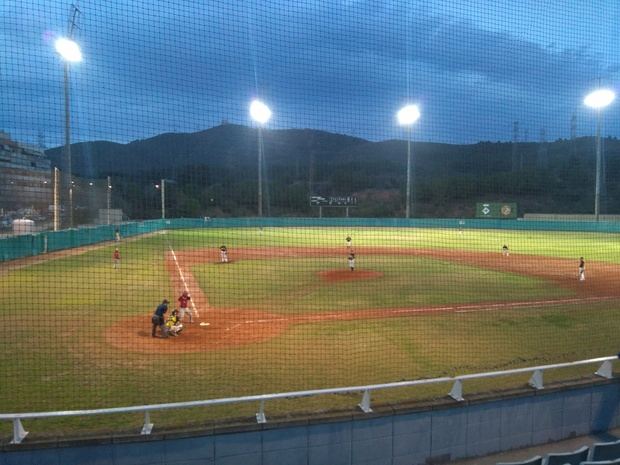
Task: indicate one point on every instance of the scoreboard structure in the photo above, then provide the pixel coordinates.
(345, 202)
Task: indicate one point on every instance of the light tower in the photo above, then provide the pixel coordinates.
(598, 100)
(70, 53)
(407, 116)
(261, 114)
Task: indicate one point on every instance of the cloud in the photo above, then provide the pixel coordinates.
(344, 66)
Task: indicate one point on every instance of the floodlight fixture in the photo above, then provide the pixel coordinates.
(408, 115)
(260, 112)
(68, 49)
(599, 98)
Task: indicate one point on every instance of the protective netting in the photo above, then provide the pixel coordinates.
(279, 230)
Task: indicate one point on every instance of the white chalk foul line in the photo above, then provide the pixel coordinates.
(176, 262)
(268, 320)
(452, 308)
(533, 303)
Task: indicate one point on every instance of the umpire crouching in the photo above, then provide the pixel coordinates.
(158, 319)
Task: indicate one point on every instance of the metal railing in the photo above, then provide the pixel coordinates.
(535, 381)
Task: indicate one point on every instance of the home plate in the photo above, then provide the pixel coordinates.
(204, 323)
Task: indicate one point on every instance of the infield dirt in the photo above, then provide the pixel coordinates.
(230, 327)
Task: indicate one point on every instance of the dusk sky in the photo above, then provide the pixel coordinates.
(345, 66)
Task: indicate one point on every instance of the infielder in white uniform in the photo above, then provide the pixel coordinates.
(582, 269)
(223, 254)
(352, 261)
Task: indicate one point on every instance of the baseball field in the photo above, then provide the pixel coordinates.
(287, 313)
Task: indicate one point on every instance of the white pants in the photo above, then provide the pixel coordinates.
(176, 329)
(224, 257)
(187, 310)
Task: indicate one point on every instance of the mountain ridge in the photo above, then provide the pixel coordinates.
(219, 164)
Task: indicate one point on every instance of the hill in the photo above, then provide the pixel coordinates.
(217, 170)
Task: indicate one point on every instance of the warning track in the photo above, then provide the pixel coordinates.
(230, 327)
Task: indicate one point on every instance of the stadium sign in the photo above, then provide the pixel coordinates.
(346, 201)
(496, 210)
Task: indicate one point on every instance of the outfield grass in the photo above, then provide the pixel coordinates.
(571, 245)
(58, 312)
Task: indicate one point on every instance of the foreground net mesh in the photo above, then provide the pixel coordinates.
(139, 175)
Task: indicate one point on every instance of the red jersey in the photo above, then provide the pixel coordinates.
(117, 255)
(183, 301)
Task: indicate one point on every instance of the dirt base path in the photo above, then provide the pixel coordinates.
(230, 327)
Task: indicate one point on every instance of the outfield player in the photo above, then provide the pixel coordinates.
(349, 243)
(184, 307)
(223, 254)
(352, 261)
(117, 258)
(505, 251)
(582, 269)
(158, 319)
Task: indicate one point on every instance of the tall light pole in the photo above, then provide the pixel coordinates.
(163, 199)
(260, 113)
(162, 187)
(408, 115)
(598, 100)
(109, 197)
(70, 53)
(56, 202)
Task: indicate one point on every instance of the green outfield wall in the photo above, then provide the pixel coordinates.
(28, 245)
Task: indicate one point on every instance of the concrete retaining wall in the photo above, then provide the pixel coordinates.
(434, 434)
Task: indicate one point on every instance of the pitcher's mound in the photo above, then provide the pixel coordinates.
(348, 275)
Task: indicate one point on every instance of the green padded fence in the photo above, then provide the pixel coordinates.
(523, 225)
(28, 245)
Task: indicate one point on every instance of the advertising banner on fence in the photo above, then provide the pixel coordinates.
(496, 210)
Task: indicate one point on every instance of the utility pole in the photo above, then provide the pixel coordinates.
(515, 146)
(542, 161)
(573, 134)
(163, 199)
(525, 138)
